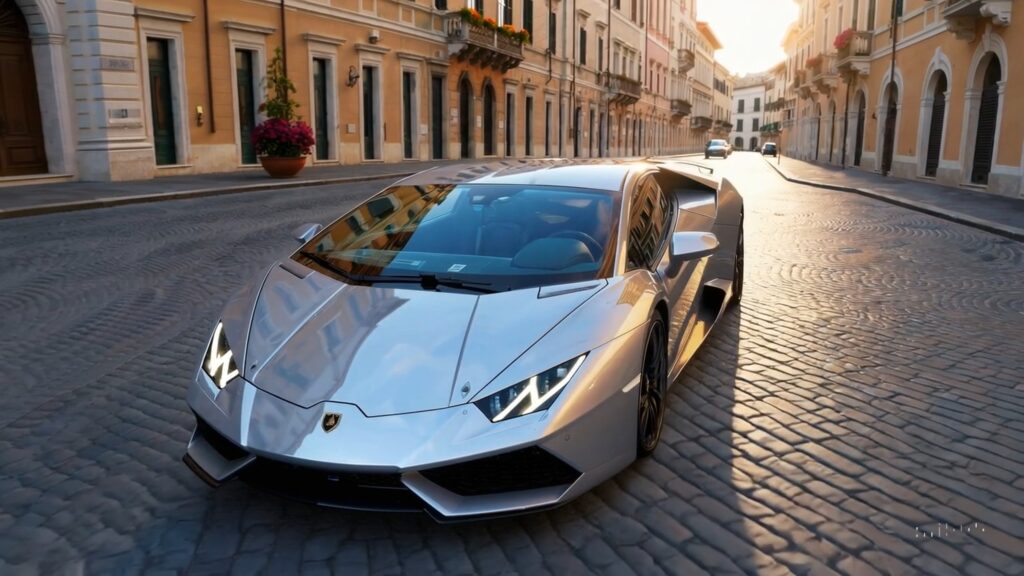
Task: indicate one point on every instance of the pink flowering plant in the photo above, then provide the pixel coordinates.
(283, 138)
(283, 133)
(843, 39)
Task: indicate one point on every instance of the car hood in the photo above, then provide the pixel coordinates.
(391, 351)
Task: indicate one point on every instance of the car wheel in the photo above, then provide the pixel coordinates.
(653, 387)
(737, 271)
(706, 156)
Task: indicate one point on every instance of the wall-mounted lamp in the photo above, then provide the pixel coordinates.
(199, 115)
(353, 76)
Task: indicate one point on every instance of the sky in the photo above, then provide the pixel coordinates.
(750, 31)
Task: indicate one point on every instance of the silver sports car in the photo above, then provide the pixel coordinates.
(473, 340)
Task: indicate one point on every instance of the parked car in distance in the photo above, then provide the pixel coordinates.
(769, 149)
(719, 148)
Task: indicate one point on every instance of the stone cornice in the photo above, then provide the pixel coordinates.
(243, 27)
(141, 12)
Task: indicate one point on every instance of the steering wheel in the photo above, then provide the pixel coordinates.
(596, 250)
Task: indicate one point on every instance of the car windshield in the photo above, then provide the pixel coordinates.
(486, 237)
(717, 143)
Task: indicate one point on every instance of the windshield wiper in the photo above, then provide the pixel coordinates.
(326, 263)
(431, 282)
(426, 281)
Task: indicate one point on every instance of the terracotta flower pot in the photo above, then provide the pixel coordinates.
(282, 166)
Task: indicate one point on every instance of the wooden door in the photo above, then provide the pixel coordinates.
(320, 118)
(246, 103)
(21, 129)
(985, 139)
(161, 102)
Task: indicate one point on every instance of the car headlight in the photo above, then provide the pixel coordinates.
(219, 362)
(531, 395)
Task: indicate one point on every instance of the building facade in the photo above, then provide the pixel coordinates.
(145, 88)
(920, 89)
(749, 98)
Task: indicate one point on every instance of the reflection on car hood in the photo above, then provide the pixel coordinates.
(387, 350)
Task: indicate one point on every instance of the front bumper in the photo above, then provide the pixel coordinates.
(452, 462)
(718, 153)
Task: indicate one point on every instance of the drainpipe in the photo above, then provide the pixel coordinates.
(607, 90)
(284, 40)
(209, 69)
(892, 86)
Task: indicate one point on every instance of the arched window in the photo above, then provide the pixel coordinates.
(738, 144)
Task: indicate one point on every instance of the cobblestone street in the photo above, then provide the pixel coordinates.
(862, 412)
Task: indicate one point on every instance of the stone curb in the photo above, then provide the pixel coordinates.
(185, 194)
(1011, 232)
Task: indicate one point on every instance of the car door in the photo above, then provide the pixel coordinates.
(680, 280)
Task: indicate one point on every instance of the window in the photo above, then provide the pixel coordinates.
(754, 127)
(583, 46)
(551, 32)
(757, 104)
(739, 108)
(600, 54)
(649, 215)
(528, 16)
(504, 12)
(739, 124)
(617, 4)
(898, 9)
(441, 4)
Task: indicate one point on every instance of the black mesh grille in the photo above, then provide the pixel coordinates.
(332, 488)
(226, 448)
(520, 470)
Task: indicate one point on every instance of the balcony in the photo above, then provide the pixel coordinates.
(855, 57)
(825, 76)
(798, 80)
(723, 126)
(686, 60)
(700, 123)
(962, 15)
(680, 108)
(623, 89)
(481, 46)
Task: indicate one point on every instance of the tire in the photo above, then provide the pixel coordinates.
(737, 270)
(706, 156)
(650, 416)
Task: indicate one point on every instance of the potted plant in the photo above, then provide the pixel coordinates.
(283, 140)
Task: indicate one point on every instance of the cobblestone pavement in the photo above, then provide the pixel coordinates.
(866, 394)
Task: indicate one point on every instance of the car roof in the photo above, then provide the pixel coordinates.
(604, 174)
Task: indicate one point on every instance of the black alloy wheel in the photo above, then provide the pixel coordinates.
(653, 390)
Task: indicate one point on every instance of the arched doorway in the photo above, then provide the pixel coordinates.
(738, 143)
(22, 150)
(817, 129)
(985, 137)
(889, 134)
(831, 129)
(577, 135)
(938, 116)
(858, 148)
(465, 115)
(490, 134)
(753, 143)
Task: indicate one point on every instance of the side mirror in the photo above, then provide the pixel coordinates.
(693, 245)
(306, 232)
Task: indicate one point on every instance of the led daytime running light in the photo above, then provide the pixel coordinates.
(532, 395)
(219, 364)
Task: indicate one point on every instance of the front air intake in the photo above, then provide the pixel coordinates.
(509, 472)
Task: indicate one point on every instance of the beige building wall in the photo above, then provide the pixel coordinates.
(950, 43)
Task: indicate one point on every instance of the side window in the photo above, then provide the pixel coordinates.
(649, 218)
